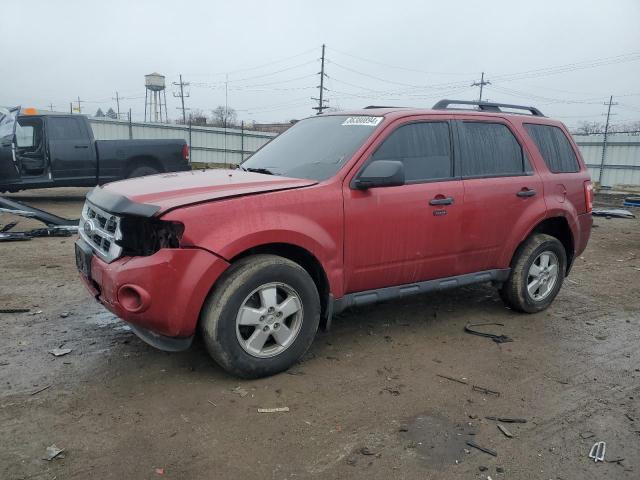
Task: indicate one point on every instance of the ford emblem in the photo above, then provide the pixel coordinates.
(88, 227)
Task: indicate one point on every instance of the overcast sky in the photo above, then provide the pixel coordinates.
(396, 53)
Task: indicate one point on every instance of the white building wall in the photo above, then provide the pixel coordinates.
(622, 160)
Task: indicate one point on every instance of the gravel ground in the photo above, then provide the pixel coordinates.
(365, 402)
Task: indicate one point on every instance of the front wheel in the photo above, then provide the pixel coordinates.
(261, 317)
(537, 272)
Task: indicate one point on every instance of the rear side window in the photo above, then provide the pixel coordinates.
(490, 149)
(554, 148)
(65, 129)
(424, 148)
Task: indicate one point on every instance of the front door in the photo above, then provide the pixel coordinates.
(9, 171)
(409, 233)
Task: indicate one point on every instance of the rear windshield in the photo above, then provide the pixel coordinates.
(314, 148)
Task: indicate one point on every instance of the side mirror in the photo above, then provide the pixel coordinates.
(380, 173)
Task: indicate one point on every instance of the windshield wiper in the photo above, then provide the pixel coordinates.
(266, 171)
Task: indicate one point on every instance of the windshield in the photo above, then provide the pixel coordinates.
(314, 148)
(7, 119)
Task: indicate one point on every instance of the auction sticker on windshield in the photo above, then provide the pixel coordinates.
(365, 121)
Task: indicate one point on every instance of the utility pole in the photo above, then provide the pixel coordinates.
(321, 106)
(51, 105)
(481, 84)
(117, 99)
(226, 115)
(79, 105)
(604, 140)
(226, 101)
(182, 96)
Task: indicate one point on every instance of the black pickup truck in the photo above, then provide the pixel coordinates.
(46, 149)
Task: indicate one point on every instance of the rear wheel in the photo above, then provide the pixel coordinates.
(537, 273)
(142, 171)
(261, 317)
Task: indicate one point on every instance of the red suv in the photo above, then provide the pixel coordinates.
(341, 210)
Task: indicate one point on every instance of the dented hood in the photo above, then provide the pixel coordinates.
(158, 194)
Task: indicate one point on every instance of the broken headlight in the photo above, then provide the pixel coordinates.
(145, 236)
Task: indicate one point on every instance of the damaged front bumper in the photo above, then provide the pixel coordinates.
(159, 295)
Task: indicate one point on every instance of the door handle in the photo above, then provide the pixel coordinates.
(525, 192)
(81, 146)
(440, 200)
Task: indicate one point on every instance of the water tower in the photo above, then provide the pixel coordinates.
(155, 98)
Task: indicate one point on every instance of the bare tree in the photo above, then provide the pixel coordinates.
(197, 117)
(590, 128)
(223, 117)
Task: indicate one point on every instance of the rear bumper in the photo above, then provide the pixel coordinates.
(583, 233)
(160, 295)
(585, 222)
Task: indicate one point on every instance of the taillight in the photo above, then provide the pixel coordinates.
(588, 195)
(185, 152)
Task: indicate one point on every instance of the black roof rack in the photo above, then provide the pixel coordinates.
(368, 107)
(486, 106)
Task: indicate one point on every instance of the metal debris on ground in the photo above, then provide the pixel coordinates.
(40, 390)
(240, 391)
(631, 202)
(52, 452)
(8, 226)
(612, 212)
(496, 338)
(504, 430)
(15, 310)
(55, 226)
(59, 352)
(273, 410)
(366, 451)
(493, 453)
(507, 420)
(597, 451)
(49, 219)
(38, 232)
(64, 314)
(452, 379)
(477, 388)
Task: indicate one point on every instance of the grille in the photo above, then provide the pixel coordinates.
(101, 230)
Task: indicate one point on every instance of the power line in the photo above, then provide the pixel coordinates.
(399, 67)
(257, 67)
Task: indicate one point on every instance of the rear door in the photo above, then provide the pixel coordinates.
(71, 150)
(503, 196)
(409, 233)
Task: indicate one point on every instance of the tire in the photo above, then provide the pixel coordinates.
(248, 283)
(531, 254)
(142, 171)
